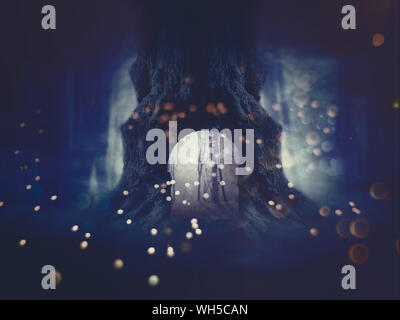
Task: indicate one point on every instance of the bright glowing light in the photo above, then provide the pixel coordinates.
(378, 40)
(314, 232)
(75, 228)
(84, 245)
(189, 235)
(153, 280)
(324, 211)
(118, 264)
(154, 232)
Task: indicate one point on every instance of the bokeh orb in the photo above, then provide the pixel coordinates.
(378, 40)
(359, 228)
(378, 191)
(359, 253)
(154, 280)
(324, 211)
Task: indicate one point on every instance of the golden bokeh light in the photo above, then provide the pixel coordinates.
(84, 245)
(22, 243)
(378, 40)
(153, 280)
(324, 211)
(118, 264)
(378, 191)
(342, 228)
(359, 228)
(359, 253)
(314, 232)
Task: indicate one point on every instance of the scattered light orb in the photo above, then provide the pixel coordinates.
(151, 251)
(168, 198)
(22, 243)
(351, 204)
(153, 280)
(199, 232)
(339, 212)
(36, 209)
(206, 195)
(342, 229)
(396, 104)
(156, 186)
(87, 235)
(359, 253)
(177, 192)
(189, 235)
(187, 185)
(37, 160)
(170, 252)
(292, 196)
(271, 203)
(196, 183)
(317, 152)
(84, 245)
(125, 192)
(118, 264)
(315, 104)
(163, 191)
(359, 228)
(1, 203)
(324, 211)
(195, 226)
(332, 111)
(129, 221)
(314, 232)
(276, 107)
(37, 178)
(378, 40)
(290, 185)
(356, 210)
(53, 198)
(168, 231)
(28, 187)
(194, 220)
(222, 183)
(378, 191)
(153, 231)
(75, 228)
(313, 138)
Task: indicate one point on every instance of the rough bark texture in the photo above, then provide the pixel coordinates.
(170, 80)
